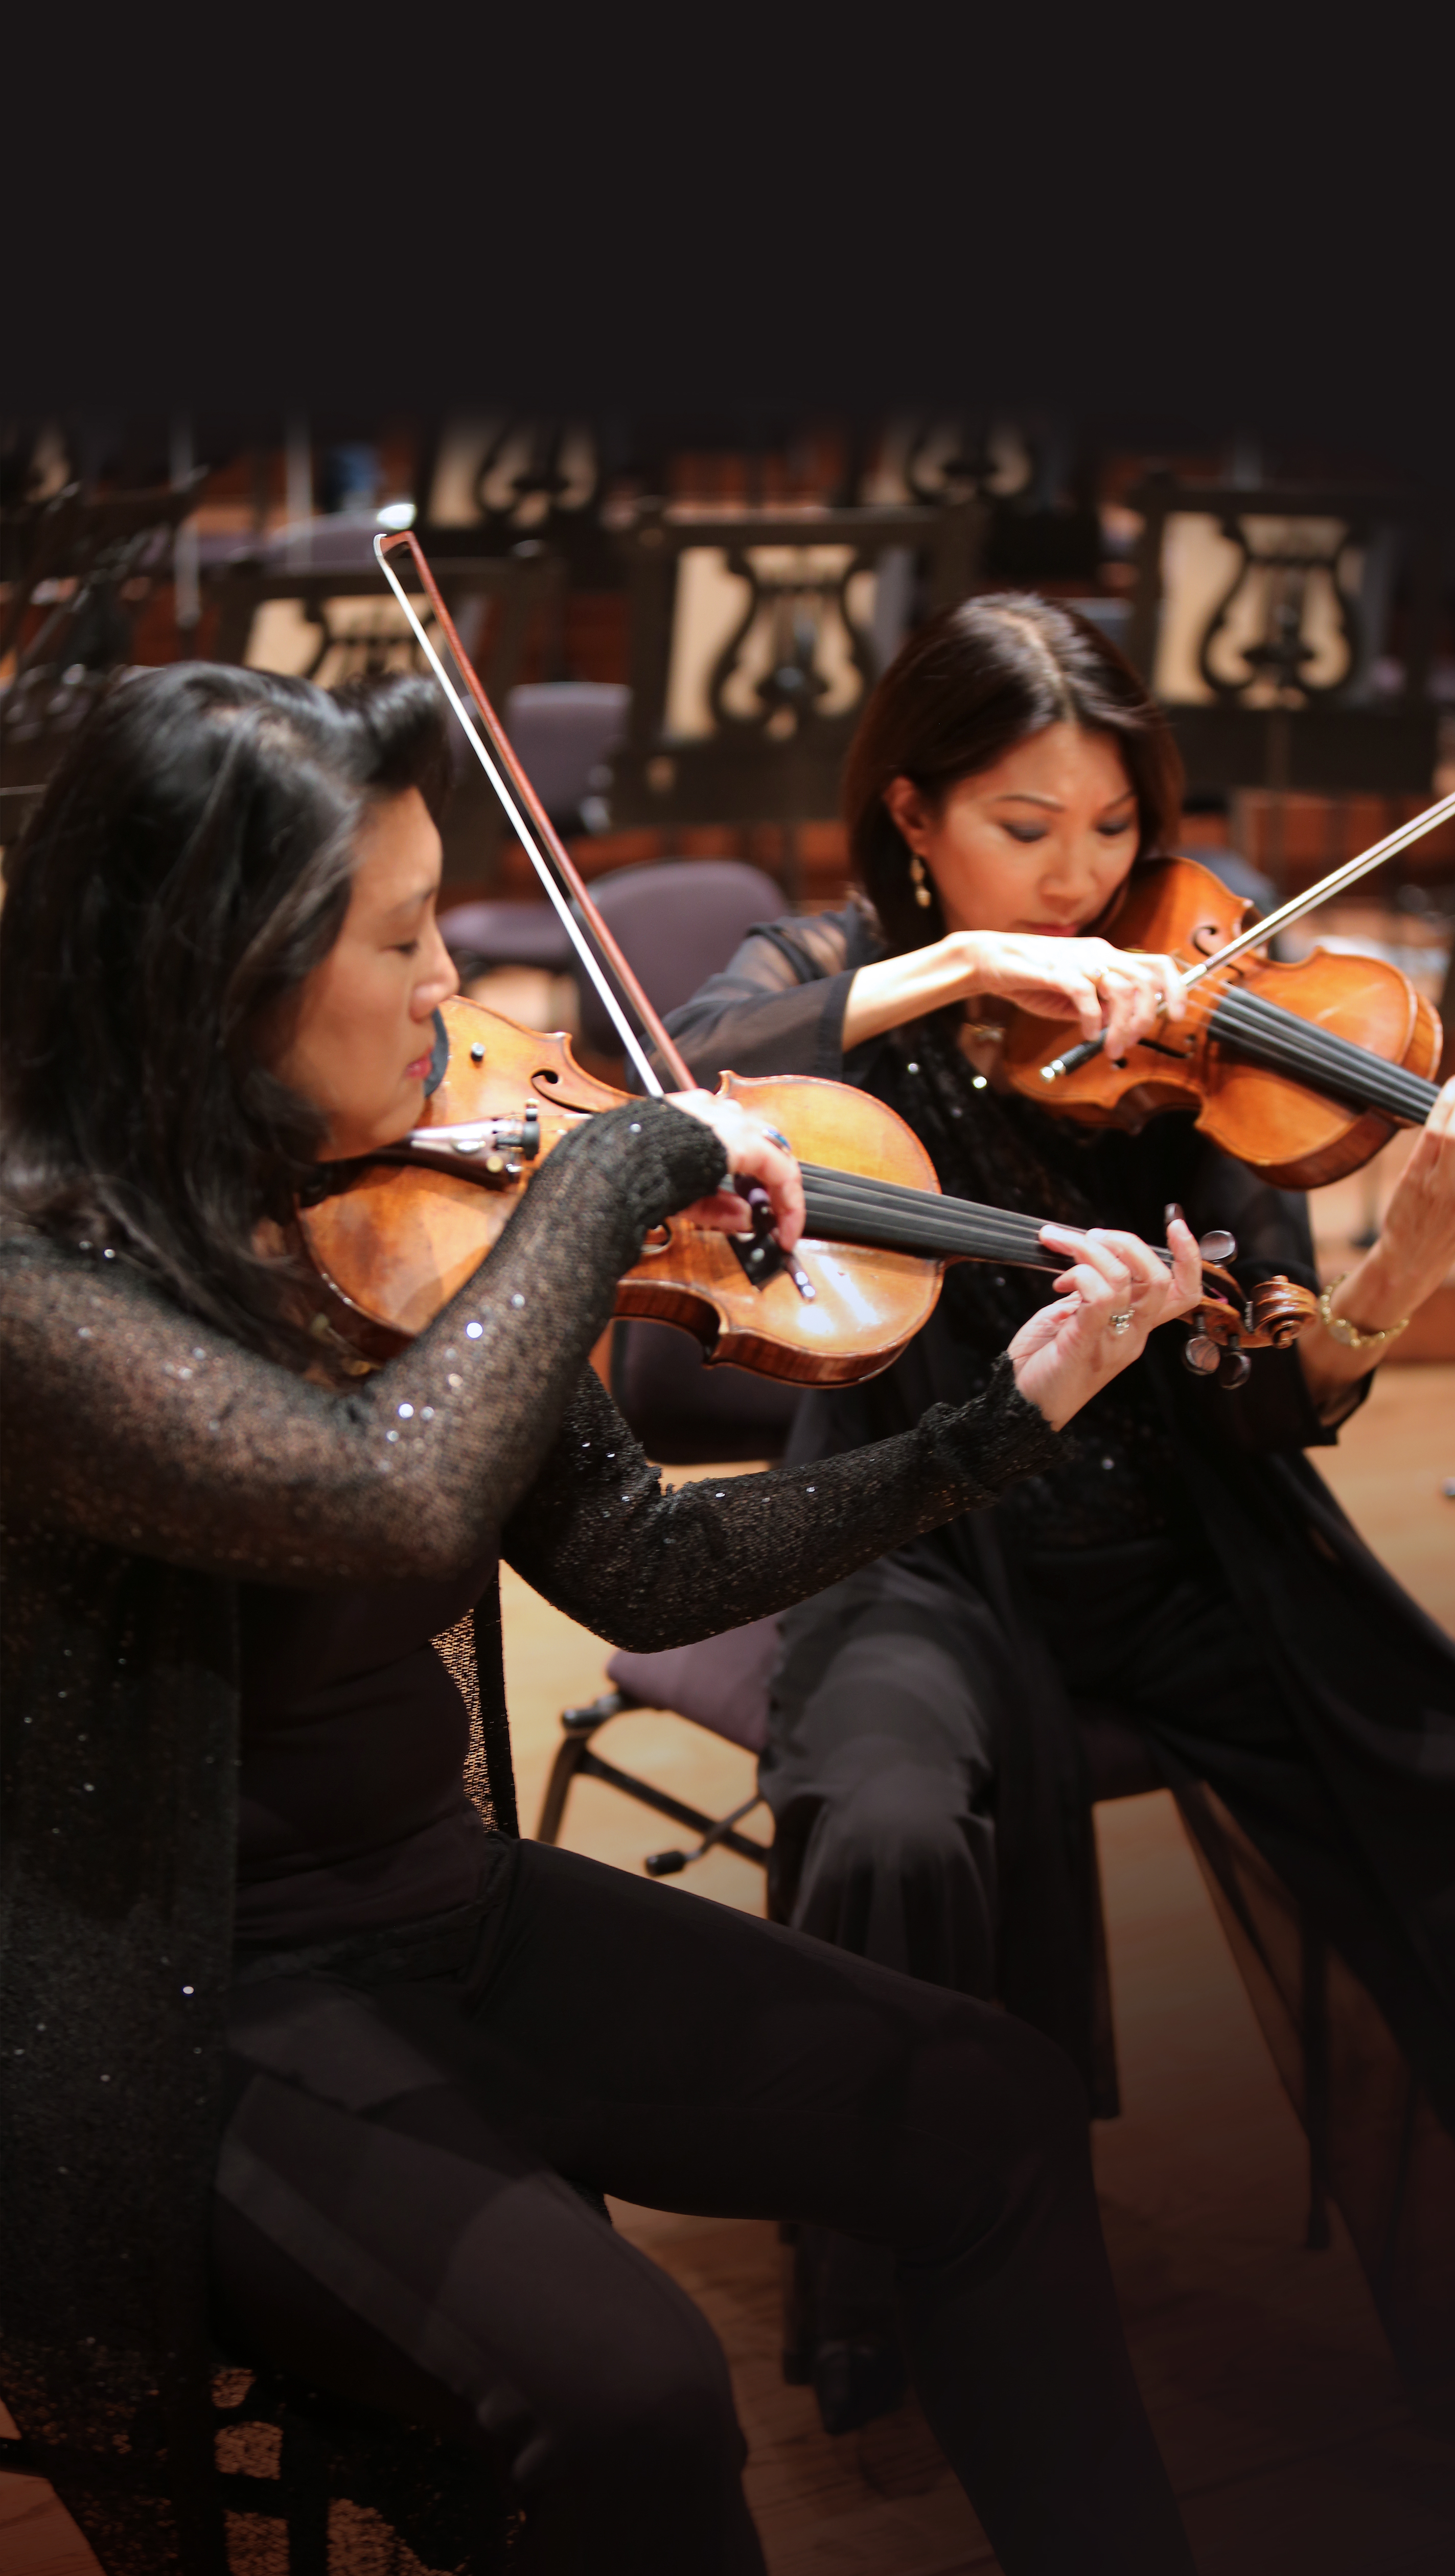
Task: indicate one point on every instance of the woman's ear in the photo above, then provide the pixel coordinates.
(908, 810)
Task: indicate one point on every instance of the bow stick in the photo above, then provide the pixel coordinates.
(541, 841)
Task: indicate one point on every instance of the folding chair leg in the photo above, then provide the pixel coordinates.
(578, 1727)
(667, 1864)
(558, 1788)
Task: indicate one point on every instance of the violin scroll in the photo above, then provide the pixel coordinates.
(1226, 1326)
(1281, 1309)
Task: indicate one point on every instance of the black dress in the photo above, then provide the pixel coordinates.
(1182, 1561)
(371, 2117)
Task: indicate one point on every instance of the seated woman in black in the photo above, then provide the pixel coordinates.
(266, 1954)
(1180, 1560)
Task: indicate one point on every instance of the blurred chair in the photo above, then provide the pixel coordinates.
(677, 921)
(720, 1684)
(565, 732)
(755, 636)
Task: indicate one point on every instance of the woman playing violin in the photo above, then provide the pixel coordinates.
(1179, 1561)
(297, 2023)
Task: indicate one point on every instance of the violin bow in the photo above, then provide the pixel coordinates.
(539, 838)
(1268, 928)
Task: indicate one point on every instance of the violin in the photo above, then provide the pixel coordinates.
(1302, 1072)
(410, 1225)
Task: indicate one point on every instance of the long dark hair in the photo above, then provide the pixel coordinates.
(188, 867)
(965, 690)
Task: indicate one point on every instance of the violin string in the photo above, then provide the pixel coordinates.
(969, 1220)
(984, 1232)
(1303, 1047)
(829, 1218)
(898, 1218)
(837, 1217)
(929, 1206)
(1367, 1082)
(1299, 1046)
(881, 1200)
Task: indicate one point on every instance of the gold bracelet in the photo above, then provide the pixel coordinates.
(1349, 1334)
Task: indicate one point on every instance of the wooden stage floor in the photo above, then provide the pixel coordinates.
(1269, 2385)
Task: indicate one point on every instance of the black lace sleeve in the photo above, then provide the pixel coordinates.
(779, 1006)
(128, 1422)
(599, 1537)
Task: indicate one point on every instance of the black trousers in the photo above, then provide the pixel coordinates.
(887, 1714)
(391, 2220)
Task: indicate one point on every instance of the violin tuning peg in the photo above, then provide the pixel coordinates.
(1201, 1355)
(1219, 1245)
(1234, 1370)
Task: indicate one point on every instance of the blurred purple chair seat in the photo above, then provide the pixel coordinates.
(565, 732)
(720, 1683)
(481, 935)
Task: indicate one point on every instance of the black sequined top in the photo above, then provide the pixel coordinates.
(151, 1468)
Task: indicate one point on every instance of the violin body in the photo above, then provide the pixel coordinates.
(1281, 1125)
(398, 1243)
(410, 1226)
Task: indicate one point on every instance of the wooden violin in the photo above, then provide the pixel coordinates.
(410, 1226)
(1301, 1071)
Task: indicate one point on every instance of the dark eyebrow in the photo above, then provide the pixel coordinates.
(1028, 796)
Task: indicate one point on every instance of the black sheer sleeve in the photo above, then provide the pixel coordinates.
(599, 1537)
(128, 1422)
(779, 1006)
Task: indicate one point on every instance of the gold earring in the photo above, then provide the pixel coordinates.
(922, 894)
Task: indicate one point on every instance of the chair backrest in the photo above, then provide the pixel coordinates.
(676, 923)
(719, 1682)
(564, 731)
